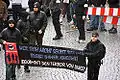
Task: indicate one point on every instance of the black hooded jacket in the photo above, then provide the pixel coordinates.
(22, 24)
(11, 35)
(38, 21)
(95, 51)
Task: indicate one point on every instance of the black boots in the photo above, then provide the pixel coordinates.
(103, 29)
(113, 30)
(57, 37)
(26, 69)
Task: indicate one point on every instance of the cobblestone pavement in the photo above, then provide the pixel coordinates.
(110, 70)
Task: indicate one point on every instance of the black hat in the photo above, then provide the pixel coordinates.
(11, 21)
(36, 5)
(95, 34)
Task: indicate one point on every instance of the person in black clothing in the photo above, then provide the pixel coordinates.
(37, 23)
(55, 11)
(95, 53)
(45, 7)
(16, 8)
(113, 4)
(23, 27)
(80, 14)
(10, 34)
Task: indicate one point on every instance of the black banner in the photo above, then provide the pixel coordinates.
(45, 56)
(51, 56)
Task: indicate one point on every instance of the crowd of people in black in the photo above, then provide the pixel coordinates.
(29, 27)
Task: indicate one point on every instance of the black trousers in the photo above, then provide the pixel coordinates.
(80, 25)
(35, 38)
(68, 13)
(39, 38)
(17, 8)
(93, 71)
(56, 23)
(26, 67)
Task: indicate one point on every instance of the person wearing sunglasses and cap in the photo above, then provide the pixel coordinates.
(95, 52)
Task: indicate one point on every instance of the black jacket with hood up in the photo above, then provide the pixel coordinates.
(11, 35)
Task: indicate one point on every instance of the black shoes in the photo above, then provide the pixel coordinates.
(92, 28)
(18, 66)
(27, 71)
(103, 30)
(57, 37)
(26, 68)
(113, 31)
(13, 78)
(95, 28)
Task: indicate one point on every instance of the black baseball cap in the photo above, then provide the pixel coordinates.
(36, 5)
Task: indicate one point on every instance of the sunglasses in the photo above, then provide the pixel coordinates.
(94, 36)
(11, 23)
